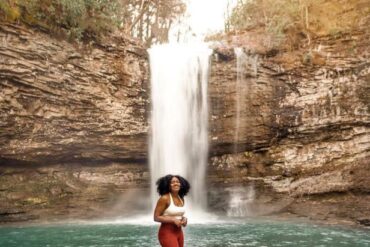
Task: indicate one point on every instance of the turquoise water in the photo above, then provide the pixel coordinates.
(210, 235)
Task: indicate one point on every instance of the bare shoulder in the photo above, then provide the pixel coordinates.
(164, 199)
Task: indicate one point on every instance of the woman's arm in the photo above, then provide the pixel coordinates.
(184, 219)
(161, 206)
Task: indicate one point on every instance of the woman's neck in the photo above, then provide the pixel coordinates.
(174, 194)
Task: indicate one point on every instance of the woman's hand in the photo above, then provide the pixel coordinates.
(177, 222)
(184, 221)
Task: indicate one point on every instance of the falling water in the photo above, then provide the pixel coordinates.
(241, 60)
(179, 138)
(246, 67)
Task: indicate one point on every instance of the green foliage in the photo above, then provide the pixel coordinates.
(8, 11)
(291, 19)
(274, 15)
(145, 19)
(76, 17)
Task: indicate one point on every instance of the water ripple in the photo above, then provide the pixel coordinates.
(251, 233)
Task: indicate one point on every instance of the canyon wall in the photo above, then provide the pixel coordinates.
(74, 127)
(304, 136)
(74, 122)
(62, 102)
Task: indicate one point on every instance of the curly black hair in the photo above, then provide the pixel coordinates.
(163, 185)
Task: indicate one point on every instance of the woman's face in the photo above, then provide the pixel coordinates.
(175, 184)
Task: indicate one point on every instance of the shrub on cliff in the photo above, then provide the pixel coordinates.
(75, 17)
(9, 11)
(281, 18)
(147, 20)
(275, 16)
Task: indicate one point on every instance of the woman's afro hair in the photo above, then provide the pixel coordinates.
(163, 185)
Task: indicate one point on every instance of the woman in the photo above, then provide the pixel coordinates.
(170, 210)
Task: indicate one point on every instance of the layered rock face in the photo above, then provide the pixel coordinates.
(74, 127)
(73, 120)
(304, 126)
(64, 103)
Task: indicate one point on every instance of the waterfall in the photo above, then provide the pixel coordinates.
(179, 117)
(241, 59)
(246, 65)
(247, 68)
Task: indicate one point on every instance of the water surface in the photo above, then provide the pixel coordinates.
(251, 233)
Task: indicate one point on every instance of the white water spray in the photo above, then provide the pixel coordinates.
(179, 118)
(240, 200)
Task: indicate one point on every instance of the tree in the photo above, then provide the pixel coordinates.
(151, 20)
(148, 20)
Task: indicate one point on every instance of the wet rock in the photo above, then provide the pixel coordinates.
(364, 221)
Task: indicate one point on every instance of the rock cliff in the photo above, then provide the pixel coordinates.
(61, 102)
(304, 136)
(74, 126)
(73, 123)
